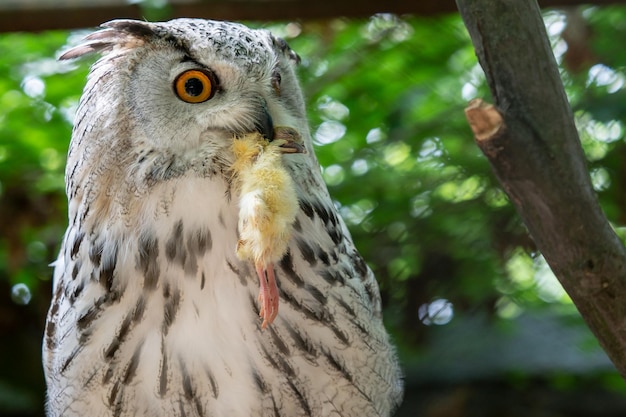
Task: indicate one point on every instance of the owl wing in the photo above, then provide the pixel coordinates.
(329, 324)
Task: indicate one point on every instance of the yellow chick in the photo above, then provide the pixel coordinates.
(267, 207)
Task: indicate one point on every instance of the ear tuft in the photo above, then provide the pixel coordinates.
(122, 33)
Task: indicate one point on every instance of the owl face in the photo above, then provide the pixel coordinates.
(184, 88)
(204, 76)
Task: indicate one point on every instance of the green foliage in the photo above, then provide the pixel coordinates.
(386, 98)
(37, 96)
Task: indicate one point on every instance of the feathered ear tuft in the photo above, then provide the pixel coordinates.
(121, 33)
(284, 47)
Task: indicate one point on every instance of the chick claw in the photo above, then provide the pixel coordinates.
(288, 139)
(268, 295)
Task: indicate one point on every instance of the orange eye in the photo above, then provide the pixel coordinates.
(195, 85)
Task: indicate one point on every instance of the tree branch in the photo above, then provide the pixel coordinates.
(532, 144)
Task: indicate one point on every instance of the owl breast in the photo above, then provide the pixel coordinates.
(175, 329)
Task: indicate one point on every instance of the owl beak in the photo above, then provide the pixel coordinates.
(265, 125)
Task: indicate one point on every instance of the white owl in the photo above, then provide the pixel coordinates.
(153, 311)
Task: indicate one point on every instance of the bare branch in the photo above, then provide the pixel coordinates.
(537, 157)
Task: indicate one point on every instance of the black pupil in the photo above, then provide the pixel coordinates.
(194, 87)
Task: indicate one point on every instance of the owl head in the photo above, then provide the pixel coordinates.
(182, 88)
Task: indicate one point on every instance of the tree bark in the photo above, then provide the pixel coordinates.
(532, 144)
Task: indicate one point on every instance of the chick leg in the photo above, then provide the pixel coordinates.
(289, 140)
(268, 295)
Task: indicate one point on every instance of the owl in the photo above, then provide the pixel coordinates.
(155, 308)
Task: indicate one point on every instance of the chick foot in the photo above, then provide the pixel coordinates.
(288, 140)
(268, 295)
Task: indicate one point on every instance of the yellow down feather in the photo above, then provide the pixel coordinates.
(268, 201)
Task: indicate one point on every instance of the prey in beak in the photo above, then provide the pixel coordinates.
(268, 204)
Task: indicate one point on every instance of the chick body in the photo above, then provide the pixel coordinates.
(267, 210)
